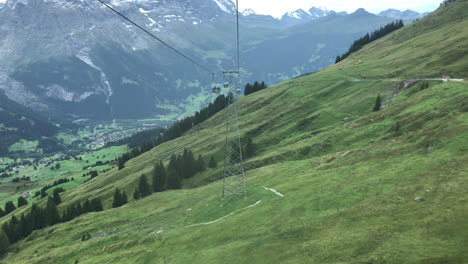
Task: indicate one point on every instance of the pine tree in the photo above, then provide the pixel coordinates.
(86, 206)
(121, 163)
(187, 164)
(117, 198)
(51, 212)
(56, 196)
(124, 198)
(37, 217)
(338, 59)
(96, 205)
(173, 178)
(250, 148)
(212, 163)
(22, 226)
(9, 207)
(136, 194)
(22, 201)
(2, 213)
(144, 189)
(248, 89)
(200, 164)
(378, 103)
(4, 243)
(159, 177)
(256, 87)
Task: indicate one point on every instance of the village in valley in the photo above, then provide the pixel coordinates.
(26, 175)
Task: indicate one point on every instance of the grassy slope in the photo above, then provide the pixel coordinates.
(349, 184)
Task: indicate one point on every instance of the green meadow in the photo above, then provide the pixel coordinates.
(352, 185)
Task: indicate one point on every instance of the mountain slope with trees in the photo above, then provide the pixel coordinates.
(18, 122)
(358, 186)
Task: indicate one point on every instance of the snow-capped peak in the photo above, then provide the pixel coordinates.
(299, 14)
(248, 12)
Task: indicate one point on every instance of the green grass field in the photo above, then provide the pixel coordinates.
(349, 177)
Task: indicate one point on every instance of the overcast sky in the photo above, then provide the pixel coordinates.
(278, 7)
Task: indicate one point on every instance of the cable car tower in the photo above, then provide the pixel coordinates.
(234, 177)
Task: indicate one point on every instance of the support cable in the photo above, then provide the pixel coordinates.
(156, 38)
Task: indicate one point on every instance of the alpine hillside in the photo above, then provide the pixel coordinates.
(335, 177)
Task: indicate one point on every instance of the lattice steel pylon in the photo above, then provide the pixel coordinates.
(234, 177)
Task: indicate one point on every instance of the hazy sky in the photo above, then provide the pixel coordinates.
(278, 7)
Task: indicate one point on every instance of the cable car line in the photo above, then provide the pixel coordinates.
(156, 38)
(238, 49)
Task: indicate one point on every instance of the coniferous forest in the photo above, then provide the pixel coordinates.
(358, 44)
(175, 131)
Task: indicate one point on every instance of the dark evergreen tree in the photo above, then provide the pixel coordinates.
(57, 166)
(37, 217)
(338, 59)
(121, 163)
(247, 89)
(117, 202)
(250, 148)
(136, 194)
(51, 212)
(9, 207)
(256, 87)
(212, 163)
(4, 243)
(2, 213)
(144, 188)
(200, 164)
(159, 177)
(56, 196)
(22, 226)
(124, 198)
(187, 164)
(96, 205)
(22, 201)
(86, 206)
(378, 103)
(174, 180)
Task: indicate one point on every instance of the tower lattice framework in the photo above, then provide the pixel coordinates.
(234, 176)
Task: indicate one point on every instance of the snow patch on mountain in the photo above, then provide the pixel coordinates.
(144, 11)
(83, 55)
(151, 20)
(222, 5)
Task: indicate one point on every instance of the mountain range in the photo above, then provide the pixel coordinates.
(76, 59)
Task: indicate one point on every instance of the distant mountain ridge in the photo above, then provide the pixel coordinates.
(300, 16)
(408, 15)
(76, 59)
